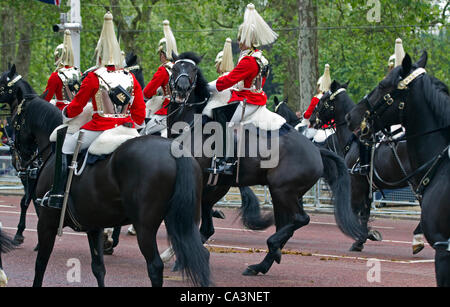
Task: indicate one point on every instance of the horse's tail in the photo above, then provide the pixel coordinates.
(192, 256)
(6, 243)
(251, 211)
(338, 178)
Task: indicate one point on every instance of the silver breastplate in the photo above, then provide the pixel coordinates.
(107, 81)
(70, 78)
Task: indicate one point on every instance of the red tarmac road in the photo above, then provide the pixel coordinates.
(316, 256)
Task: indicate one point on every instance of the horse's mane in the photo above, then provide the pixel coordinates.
(42, 115)
(437, 95)
(202, 89)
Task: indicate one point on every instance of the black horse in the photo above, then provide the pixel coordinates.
(6, 244)
(300, 166)
(140, 183)
(421, 103)
(282, 109)
(391, 162)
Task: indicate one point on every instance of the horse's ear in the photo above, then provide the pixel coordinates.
(334, 86)
(175, 56)
(275, 100)
(406, 65)
(12, 71)
(423, 60)
(346, 84)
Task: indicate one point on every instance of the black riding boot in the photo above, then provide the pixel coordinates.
(56, 194)
(363, 168)
(227, 164)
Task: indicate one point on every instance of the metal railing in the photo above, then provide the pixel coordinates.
(317, 199)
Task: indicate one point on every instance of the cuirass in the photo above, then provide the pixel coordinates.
(70, 77)
(107, 81)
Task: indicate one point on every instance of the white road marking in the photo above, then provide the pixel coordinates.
(17, 213)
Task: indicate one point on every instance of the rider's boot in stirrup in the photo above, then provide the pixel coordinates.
(56, 194)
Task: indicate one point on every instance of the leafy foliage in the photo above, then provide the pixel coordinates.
(356, 49)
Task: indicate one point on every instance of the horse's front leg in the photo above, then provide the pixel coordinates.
(47, 229)
(297, 217)
(96, 246)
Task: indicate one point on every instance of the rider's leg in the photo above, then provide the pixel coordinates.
(364, 159)
(56, 195)
(227, 163)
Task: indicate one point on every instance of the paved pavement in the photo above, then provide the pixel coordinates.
(317, 256)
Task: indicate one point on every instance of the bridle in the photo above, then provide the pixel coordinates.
(328, 104)
(400, 94)
(174, 81)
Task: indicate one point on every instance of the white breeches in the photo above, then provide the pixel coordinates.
(156, 124)
(250, 109)
(70, 143)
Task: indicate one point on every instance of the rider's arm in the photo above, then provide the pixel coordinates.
(246, 68)
(88, 88)
(53, 85)
(137, 109)
(160, 78)
(312, 106)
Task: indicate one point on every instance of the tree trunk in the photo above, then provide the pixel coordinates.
(8, 36)
(23, 55)
(308, 51)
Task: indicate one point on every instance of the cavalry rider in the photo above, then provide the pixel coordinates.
(365, 149)
(323, 85)
(167, 46)
(117, 101)
(249, 75)
(64, 82)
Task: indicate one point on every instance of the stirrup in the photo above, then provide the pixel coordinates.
(362, 170)
(223, 166)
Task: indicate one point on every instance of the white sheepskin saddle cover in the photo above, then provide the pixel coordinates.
(75, 123)
(110, 139)
(265, 119)
(217, 100)
(322, 134)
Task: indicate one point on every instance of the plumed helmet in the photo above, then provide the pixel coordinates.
(254, 31)
(324, 81)
(399, 52)
(224, 59)
(167, 44)
(108, 49)
(64, 52)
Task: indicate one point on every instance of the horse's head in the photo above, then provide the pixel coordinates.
(8, 86)
(188, 87)
(384, 106)
(325, 111)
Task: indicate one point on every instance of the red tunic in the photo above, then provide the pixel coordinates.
(55, 88)
(246, 70)
(160, 79)
(88, 89)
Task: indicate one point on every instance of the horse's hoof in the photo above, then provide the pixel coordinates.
(108, 251)
(3, 279)
(36, 248)
(375, 235)
(418, 248)
(357, 247)
(218, 214)
(18, 239)
(131, 231)
(250, 272)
